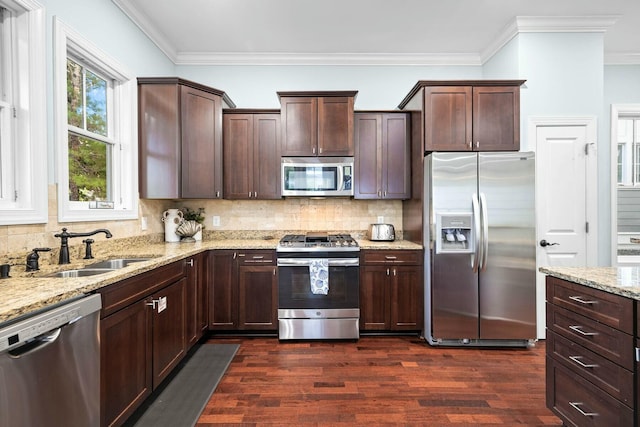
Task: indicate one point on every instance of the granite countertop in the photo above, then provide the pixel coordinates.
(24, 293)
(624, 281)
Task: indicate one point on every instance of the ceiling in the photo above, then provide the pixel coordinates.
(372, 32)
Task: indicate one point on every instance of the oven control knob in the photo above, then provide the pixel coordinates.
(318, 313)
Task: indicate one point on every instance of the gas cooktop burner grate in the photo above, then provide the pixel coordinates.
(318, 242)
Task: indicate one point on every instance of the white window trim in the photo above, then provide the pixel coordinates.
(30, 155)
(125, 122)
(616, 111)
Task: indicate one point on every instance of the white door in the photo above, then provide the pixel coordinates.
(566, 189)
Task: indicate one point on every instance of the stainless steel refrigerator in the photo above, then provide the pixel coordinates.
(481, 290)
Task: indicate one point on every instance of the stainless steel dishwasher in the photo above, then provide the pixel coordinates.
(50, 366)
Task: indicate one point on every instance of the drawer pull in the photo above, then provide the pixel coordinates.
(576, 406)
(578, 361)
(390, 257)
(578, 329)
(582, 301)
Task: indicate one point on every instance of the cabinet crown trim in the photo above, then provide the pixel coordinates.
(318, 93)
(189, 83)
(424, 83)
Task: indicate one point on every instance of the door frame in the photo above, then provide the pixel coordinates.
(591, 205)
(616, 110)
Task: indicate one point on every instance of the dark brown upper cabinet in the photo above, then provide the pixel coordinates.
(473, 115)
(317, 123)
(251, 146)
(180, 139)
(382, 159)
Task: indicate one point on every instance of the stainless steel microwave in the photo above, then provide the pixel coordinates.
(317, 176)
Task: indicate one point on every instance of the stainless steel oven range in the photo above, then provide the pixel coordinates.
(318, 286)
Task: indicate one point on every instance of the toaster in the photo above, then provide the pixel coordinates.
(382, 232)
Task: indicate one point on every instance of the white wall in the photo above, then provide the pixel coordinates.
(379, 87)
(565, 77)
(104, 25)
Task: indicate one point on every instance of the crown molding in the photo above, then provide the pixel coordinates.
(520, 24)
(548, 24)
(368, 59)
(619, 58)
(142, 22)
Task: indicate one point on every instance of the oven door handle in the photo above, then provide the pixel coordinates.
(305, 262)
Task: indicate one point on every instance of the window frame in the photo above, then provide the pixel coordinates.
(69, 43)
(24, 116)
(630, 146)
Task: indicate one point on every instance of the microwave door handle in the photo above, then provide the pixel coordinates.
(340, 183)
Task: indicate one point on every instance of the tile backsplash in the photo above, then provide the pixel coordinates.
(304, 214)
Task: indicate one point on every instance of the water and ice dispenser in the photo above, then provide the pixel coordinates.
(454, 232)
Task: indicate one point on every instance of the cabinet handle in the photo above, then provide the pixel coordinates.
(578, 361)
(255, 194)
(390, 257)
(235, 255)
(394, 271)
(470, 145)
(190, 262)
(249, 194)
(379, 194)
(152, 303)
(217, 194)
(578, 329)
(582, 301)
(385, 194)
(387, 271)
(477, 144)
(274, 271)
(576, 406)
(313, 150)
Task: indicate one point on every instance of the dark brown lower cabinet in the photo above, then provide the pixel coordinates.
(223, 296)
(243, 290)
(126, 375)
(143, 337)
(391, 291)
(589, 355)
(197, 302)
(169, 329)
(258, 297)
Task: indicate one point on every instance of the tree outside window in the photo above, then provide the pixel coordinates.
(88, 135)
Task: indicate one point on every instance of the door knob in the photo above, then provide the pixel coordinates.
(544, 243)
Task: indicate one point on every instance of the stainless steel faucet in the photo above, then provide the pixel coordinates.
(64, 241)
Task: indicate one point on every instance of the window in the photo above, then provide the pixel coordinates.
(629, 151)
(23, 150)
(97, 169)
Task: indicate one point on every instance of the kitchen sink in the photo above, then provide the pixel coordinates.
(117, 263)
(81, 272)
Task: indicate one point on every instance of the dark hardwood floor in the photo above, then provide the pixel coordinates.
(378, 380)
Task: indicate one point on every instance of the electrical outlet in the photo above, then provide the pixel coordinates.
(216, 221)
(380, 219)
(144, 224)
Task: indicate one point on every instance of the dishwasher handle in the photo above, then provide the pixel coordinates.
(36, 344)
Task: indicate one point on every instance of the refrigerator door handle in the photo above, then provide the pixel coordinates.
(475, 256)
(485, 232)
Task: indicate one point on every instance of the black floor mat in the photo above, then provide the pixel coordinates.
(183, 397)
